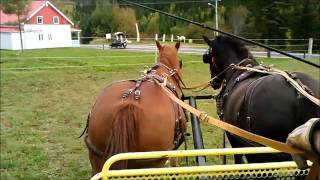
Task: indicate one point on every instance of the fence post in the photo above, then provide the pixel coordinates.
(156, 37)
(171, 37)
(268, 51)
(164, 38)
(102, 46)
(310, 45)
(138, 34)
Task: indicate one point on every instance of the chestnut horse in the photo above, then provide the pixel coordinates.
(136, 116)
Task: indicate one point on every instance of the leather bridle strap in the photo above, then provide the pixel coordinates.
(235, 130)
(208, 83)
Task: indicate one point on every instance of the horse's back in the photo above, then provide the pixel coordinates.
(273, 108)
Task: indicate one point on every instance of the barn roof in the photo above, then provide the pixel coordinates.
(33, 8)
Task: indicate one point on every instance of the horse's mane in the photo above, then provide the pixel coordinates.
(238, 46)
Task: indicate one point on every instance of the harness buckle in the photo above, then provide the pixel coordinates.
(203, 116)
(137, 94)
(127, 93)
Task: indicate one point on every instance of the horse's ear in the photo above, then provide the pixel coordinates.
(207, 40)
(158, 45)
(177, 45)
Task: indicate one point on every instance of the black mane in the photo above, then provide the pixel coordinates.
(238, 46)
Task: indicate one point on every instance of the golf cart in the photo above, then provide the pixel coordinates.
(119, 40)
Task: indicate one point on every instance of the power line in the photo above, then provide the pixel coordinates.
(170, 2)
(145, 3)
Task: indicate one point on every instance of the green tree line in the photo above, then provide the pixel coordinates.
(253, 19)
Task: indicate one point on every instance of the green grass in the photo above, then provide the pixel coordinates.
(44, 109)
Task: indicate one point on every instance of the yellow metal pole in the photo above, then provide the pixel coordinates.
(180, 153)
(199, 169)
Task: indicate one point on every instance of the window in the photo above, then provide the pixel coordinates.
(55, 19)
(49, 37)
(40, 37)
(39, 19)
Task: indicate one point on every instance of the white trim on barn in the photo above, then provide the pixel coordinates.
(55, 8)
(60, 12)
(35, 12)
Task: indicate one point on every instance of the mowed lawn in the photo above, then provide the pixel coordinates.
(47, 94)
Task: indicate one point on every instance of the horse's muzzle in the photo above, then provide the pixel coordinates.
(216, 84)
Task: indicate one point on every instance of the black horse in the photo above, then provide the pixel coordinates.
(263, 104)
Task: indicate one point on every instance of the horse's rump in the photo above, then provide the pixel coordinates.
(147, 124)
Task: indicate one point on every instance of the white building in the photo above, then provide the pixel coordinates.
(44, 26)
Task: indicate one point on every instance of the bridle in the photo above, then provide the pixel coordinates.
(208, 58)
(171, 72)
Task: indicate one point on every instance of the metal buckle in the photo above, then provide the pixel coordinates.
(137, 94)
(203, 116)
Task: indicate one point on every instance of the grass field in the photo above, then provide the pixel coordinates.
(46, 95)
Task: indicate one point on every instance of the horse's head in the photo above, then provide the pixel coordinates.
(222, 52)
(168, 55)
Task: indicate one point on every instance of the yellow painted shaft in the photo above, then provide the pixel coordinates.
(184, 153)
(106, 172)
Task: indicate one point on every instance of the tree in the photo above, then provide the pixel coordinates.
(237, 18)
(124, 19)
(83, 11)
(153, 25)
(18, 7)
(101, 18)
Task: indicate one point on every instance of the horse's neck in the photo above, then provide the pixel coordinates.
(164, 72)
(232, 74)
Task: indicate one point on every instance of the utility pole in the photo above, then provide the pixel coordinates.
(216, 14)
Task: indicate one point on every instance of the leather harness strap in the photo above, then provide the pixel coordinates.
(235, 130)
(302, 89)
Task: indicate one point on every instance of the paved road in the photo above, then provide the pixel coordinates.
(194, 50)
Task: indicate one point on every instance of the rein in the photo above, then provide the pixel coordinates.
(172, 72)
(206, 84)
(266, 70)
(204, 117)
(284, 74)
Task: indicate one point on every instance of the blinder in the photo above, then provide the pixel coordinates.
(207, 57)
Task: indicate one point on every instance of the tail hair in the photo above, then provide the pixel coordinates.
(123, 133)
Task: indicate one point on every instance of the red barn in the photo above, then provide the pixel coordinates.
(43, 26)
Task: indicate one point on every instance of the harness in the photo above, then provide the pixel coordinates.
(237, 76)
(150, 75)
(228, 87)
